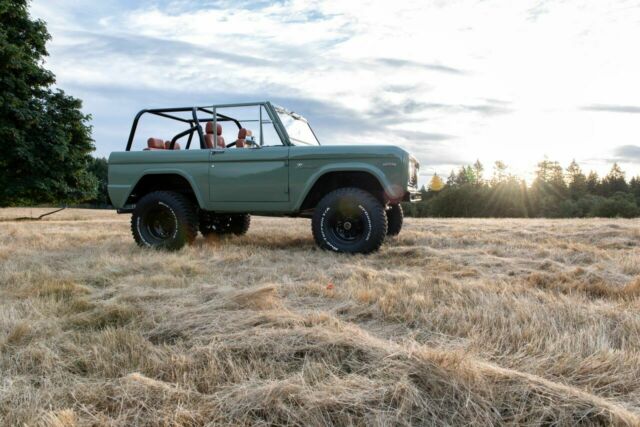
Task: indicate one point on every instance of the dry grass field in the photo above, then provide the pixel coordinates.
(456, 322)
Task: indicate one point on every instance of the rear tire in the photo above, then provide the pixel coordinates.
(237, 224)
(240, 224)
(164, 220)
(395, 218)
(211, 223)
(349, 220)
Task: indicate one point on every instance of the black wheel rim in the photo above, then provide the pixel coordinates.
(160, 222)
(347, 224)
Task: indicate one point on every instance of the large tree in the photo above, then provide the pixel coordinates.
(46, 139)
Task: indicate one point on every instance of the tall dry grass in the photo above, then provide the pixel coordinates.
(455, 322)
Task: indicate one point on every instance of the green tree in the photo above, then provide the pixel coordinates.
(557, 179)
(451, 181)
(99, 168)
(548, 189)
(46, 138)
(593, 183)
(466, 175)
(634, 187)
(499, 173)
(508, 198)
(619, 205)
(614, 181)
(576, 181)
(478, 170)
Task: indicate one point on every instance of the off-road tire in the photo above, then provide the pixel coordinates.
(211, 223)
(164, 220)
(358, 208)
(395, 218)
(240, 224)
(207, 223)
(237, 224)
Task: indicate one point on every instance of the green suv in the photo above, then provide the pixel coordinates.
(226, 162)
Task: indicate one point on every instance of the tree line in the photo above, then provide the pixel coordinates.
(555, 192)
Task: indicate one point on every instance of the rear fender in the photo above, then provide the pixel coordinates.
(119, 194)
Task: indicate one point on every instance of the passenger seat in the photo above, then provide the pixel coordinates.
(154, 144)
(208, 137)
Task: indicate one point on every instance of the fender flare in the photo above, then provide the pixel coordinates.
(345, 167)
(164, 171)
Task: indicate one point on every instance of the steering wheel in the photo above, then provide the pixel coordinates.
(249, 145)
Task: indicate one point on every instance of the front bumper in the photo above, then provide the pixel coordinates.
(412, 195)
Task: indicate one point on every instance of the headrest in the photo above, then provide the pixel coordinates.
(209, 128)
(167, 145)
(156, 143)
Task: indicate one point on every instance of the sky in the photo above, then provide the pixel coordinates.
(450, 81)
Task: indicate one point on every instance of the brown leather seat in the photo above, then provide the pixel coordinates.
(242, 137)
(155, 144)
(208, 137)
(167, 145)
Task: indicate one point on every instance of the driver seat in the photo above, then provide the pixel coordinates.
(242, 137)
(208, 137)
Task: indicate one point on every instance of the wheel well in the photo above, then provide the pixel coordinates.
(334, 180)
(162, 182)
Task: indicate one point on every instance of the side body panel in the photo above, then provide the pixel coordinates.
(249, 179)
(126, 168)
(308, 164)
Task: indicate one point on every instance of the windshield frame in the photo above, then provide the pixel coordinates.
(281, 110)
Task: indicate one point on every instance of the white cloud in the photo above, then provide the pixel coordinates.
(504, 80)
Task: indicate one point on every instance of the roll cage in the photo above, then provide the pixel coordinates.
(195, 121)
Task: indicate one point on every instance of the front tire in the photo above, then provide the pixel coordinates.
(395, 218)
(349, 220)
(164, 220)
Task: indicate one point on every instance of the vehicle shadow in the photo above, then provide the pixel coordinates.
(259, 241)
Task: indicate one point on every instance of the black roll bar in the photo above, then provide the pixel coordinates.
(194, 122)
(189, 132)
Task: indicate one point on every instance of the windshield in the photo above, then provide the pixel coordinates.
(297, 127)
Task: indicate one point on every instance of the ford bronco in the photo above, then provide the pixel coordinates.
(269, 162)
